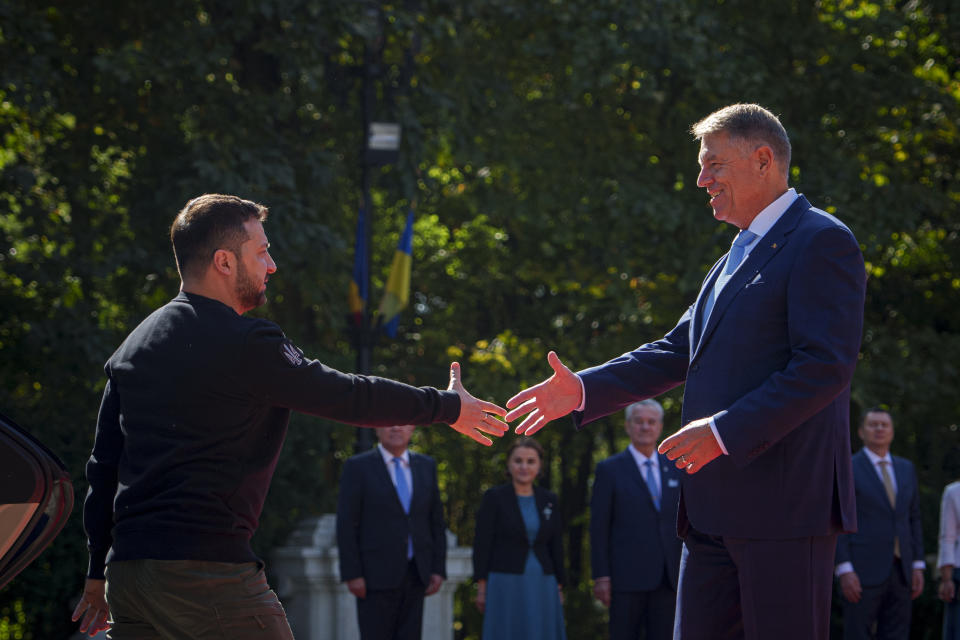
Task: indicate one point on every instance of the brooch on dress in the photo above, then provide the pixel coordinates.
(547, 510)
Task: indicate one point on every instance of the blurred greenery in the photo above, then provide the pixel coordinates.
(545, 148)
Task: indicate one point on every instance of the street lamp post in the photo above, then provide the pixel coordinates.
(381, 142)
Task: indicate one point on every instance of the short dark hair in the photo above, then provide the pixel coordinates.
(876, 409)
(208, 223)
(530, 443)
(749, 122)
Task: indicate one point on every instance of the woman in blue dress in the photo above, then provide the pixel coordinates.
(518, 553)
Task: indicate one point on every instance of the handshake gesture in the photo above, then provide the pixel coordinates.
(691, 448)
(553, 398)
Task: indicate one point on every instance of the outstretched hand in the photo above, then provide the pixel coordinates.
(475, 415)
(553, 398)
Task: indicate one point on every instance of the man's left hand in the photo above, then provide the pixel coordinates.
(693, 447)
(435, 581)
(916, 588)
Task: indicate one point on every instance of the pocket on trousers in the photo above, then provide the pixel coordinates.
(251, 615)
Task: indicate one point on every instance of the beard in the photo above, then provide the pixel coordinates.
(248, 291)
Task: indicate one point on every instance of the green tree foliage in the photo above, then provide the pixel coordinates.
(547, 155)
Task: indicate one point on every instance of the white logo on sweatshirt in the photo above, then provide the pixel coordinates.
(291, 353)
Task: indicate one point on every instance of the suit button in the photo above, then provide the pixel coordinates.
(695, 367)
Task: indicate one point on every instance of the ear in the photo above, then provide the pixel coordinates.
(764, 158)
(224, 261)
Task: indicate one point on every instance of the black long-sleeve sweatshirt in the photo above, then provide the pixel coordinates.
(193, 417)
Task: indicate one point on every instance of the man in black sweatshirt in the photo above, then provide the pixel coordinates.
(193, 417)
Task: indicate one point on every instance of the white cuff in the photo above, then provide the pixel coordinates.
(713, 427)
(842, 568)
(583, 394)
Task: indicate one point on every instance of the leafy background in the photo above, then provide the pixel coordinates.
(546, 151)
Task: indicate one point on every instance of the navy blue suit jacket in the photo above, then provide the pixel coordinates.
(630, 541)
(870, 550)
(372, 527)
(773, 365)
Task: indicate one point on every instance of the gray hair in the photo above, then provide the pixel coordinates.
(649, 402)
(750, 123)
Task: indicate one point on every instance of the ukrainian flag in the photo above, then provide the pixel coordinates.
(357, 297)
(396, 296)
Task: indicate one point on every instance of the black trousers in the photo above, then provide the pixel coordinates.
(643, 614)
(883, 612)
(393, 614)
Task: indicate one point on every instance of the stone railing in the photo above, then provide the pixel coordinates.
(306, 576)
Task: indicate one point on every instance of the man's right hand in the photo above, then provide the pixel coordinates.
(601, 590)
(475, 415)
(358, 587)
(553, 398)
(92, 608)
(850, 587)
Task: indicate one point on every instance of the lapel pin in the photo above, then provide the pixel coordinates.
(773, 246)
(547, 511)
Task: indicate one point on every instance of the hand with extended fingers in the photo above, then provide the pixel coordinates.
(553, 398)
(692, 447)
(475, 415)
(92, 608)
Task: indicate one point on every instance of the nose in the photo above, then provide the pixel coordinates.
(271, 265)
(704, 178)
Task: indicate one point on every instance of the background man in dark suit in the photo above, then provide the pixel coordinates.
(766, 353)
(391, 535)
(634, 548)
(880, 568)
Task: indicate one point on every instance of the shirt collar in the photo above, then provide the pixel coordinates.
(640, 458)
(388, 457)
(874, 458)
(772, 212)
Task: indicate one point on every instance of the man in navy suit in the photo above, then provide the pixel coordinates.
(634, 548)
(766, 353)
(391, 535)
(880, 568)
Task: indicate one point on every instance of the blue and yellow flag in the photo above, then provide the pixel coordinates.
(357, 298)
(396, 296)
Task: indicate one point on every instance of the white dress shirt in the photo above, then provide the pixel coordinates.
(949, 526)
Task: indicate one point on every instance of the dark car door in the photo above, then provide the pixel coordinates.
(36, 498)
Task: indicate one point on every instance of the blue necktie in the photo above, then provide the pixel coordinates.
(652, 484)
(403, 492)
(734, 258)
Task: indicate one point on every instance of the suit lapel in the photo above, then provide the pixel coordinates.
(696, 321)
(416, 472)
(670, 478)
(901, 478)
(766, 248)
(632, 471)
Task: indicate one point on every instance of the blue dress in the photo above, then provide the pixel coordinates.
(526, 605)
